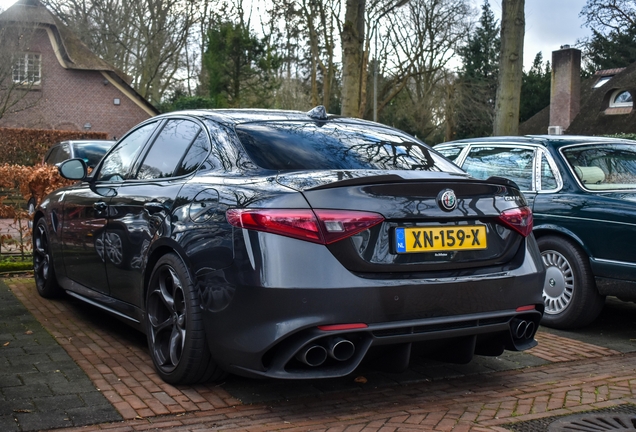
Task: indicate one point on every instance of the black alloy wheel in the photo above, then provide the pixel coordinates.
(176, 337)
(569, 293)
(45, 279)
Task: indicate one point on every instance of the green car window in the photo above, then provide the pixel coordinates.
(603, 166)
(515, 164)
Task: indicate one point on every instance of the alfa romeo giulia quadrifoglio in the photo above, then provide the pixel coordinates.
(291, 245)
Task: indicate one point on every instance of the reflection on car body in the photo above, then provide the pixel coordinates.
(583, 194)
(263, 243)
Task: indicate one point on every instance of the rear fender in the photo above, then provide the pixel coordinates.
(549, 229)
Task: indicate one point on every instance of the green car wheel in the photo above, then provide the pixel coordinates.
(569, 292)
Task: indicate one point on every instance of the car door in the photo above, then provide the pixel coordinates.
(145, 200)
(85, 213)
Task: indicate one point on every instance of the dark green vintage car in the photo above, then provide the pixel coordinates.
(583, 194)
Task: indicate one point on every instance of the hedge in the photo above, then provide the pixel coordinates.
(31, 181)
(630, 136)
(28, 146)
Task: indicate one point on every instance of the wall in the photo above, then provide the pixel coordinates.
(68, 99)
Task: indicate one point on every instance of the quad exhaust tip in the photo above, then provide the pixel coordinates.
(522, 329)
(337, 348)
(341, 349)
(312, 355)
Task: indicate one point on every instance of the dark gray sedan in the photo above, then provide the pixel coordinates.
(291, 245)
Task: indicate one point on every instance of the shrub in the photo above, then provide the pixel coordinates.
(28, 146)
(630, 136)
(31, 181)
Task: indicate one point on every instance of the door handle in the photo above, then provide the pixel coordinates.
(100, 206)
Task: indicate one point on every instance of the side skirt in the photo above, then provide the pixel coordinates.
(127, 313)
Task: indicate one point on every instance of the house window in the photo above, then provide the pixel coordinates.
(602, 81)
(621, 98)
(27, 69)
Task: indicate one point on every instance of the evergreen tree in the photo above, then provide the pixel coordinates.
(535, 88)
(240, 67)
(612, 51)
(477, 87)
(613, 41)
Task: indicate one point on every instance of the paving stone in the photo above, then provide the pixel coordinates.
(8, 423)
(94, 399)
(11, 380)
(11, 406)
(98, 414)
(36, 421)
(56, 403)
(560, 376)
(27, 391)
(41, 386)
(52, 380)
(70, 387)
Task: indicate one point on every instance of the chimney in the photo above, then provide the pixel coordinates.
(565, 93)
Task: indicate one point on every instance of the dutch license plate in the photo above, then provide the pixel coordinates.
(433, 239)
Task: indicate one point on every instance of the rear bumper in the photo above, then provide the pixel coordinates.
(264, 310)
(489, 330)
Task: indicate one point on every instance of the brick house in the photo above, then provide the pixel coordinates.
(599, 105)
(72, 88)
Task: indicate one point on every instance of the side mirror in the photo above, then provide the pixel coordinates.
(73, 169)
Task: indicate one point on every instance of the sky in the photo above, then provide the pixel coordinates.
(549, 24)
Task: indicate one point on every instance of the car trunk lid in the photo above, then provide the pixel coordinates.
(432, 220)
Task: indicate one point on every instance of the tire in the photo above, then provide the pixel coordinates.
(569, 293)
(174, 325)
(44, 273)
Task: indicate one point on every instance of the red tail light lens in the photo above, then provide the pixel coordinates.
(519, 219)
(321, 226)
(339, 224)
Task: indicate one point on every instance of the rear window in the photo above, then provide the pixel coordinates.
(318, 146)
(603, 166)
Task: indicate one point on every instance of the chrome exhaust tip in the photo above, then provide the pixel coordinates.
(312, 355)
(519, 328)
(529, 333)
(341, 349)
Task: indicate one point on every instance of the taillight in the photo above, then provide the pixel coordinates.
(519, 219)
(319, 226)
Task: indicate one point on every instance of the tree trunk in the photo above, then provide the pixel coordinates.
(352, 43)
(510, 68)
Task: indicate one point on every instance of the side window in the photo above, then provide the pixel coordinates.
(195, 156)
(117, 164)
(59, 154)
(168, 149)
(548, 180)
(449, 152)
(515, 164)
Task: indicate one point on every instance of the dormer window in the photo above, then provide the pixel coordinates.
(27, 69)
(602, 81)
(620, 99)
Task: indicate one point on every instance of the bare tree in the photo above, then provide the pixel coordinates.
(609, 15)
(146, 39)
(19, 69)
(307, 38)
(510, 68)
(422, 38)
(352, 56)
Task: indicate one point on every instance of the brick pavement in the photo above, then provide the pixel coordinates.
(571, 377)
